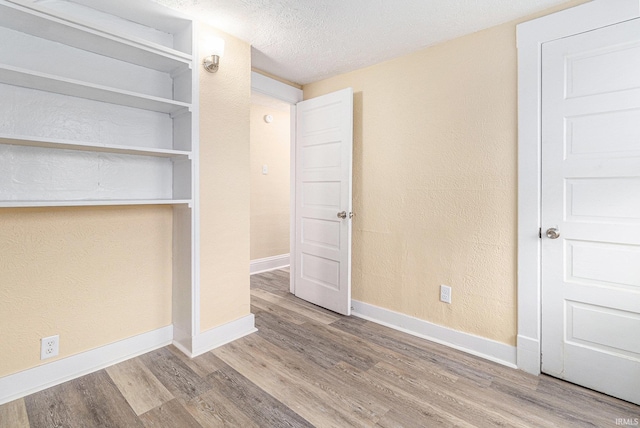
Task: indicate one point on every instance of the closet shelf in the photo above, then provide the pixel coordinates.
(89, 203)
(52, 143)
(129, 40)
(75, 88)
(41, 22)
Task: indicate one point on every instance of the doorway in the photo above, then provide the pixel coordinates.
(532, 36)
(591, 210)
(270, 172)
(320, 220)
(277, 94)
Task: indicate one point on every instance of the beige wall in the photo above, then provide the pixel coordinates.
(224, 184)
(435, 178)
(92, 275)
(270, 145)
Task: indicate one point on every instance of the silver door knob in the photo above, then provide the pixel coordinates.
(342, 214)
(552, 233)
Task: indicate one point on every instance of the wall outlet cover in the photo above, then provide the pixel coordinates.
(445, 294)
(49, 347)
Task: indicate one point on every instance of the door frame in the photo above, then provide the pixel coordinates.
(291, 95)
(530, 37)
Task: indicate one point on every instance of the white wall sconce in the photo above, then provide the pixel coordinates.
(215, 47)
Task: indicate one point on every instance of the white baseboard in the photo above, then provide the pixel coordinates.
(27, 382)
(269, 263)
(529, 354)
(182, 340)
(221, 335)
(475, 345)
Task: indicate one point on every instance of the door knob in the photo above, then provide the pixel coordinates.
(552, 233)
(342, 214)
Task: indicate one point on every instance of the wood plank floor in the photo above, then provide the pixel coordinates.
(310, 367)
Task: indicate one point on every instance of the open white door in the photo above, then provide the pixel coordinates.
(324, 145)
(591, 209)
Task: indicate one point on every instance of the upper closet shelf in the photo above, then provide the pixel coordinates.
(32, 19)
(93, 202)
(52, 143)
(75, 88)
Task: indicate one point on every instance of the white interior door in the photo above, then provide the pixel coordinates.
(591, 196)
(324, 145)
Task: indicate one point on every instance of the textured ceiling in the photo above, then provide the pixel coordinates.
(308, 40)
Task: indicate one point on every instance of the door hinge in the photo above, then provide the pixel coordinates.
(540, 233)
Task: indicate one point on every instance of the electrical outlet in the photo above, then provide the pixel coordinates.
(49, 347)
(445, 293)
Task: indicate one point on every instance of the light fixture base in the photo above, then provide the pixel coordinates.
(211, 63)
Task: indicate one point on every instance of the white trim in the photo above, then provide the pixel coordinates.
(268, 264)
(531, 35)
(475, 345)
(292, 200)
(195, 196)
(528, 357)
(182, 340)
(221, 335)
(271, 87)
(45, 376)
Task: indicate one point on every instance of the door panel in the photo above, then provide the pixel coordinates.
(324, 145)
(591, 195)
